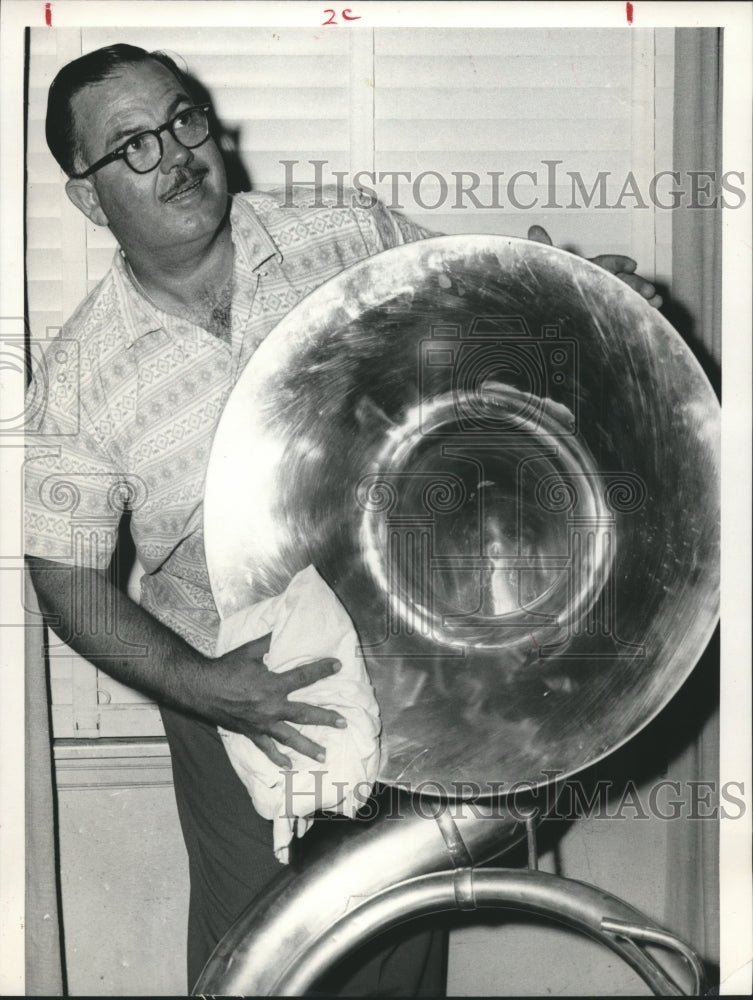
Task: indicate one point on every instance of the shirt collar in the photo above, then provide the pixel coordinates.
(253, 247)
(253, 244)
(139, 316)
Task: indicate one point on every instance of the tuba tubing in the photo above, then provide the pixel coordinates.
(339, 865)
(370, 876)
(575, 904)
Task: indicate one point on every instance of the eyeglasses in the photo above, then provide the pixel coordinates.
(144, 151)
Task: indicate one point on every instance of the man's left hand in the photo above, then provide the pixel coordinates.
(622, 267)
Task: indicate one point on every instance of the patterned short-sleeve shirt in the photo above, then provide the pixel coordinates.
(128, 399)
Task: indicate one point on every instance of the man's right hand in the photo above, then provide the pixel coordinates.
(253, 700)
(235, 691)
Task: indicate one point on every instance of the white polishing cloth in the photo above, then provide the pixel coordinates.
(307, 622)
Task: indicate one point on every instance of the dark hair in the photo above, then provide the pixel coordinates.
(94, 67)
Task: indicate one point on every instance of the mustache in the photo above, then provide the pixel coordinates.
(183, 179)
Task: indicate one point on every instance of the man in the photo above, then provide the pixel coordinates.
(198, 282)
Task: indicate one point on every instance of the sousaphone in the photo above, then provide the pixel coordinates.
(506, 465)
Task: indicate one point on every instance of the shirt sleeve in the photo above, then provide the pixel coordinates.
(74, 493)
(384, 228)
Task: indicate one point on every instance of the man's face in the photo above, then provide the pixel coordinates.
(179, 204)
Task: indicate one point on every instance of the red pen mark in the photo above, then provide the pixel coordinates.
(533, 640)
(48, 14)
(346, 14)
(629, 12)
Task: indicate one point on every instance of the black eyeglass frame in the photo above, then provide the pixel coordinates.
(120, 152)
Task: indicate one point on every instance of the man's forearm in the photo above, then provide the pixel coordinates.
(235, 691)
(138, 651)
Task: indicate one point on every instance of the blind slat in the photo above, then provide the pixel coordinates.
(472, 72)
(219, 43)
(297, 103)
(588, 163)
(509, 43)
(514, 103)
(443, 134)
(44, 232)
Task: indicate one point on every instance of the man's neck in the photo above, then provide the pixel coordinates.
(192, 282)
(182, 274)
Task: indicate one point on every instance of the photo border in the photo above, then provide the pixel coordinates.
(736, 932)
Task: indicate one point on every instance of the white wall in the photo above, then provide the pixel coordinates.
(123, 871)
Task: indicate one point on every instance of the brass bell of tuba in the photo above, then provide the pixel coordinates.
(506, 466)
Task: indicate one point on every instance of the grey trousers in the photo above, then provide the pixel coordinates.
(231, 861)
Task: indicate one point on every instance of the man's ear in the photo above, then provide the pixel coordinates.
(83, 194)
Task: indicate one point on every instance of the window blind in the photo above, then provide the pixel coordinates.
(486, 102)
(55, 240)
